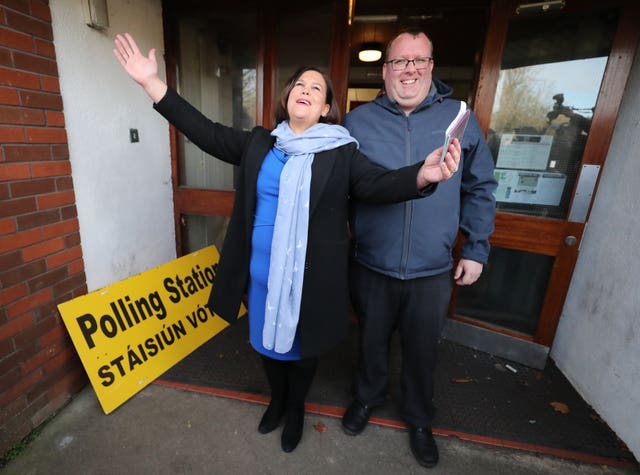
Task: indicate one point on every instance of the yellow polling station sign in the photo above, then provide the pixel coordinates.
(129, 333)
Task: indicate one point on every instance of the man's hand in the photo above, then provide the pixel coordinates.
(467, 272)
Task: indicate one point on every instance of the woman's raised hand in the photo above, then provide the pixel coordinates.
(142, 69)
(433, 171)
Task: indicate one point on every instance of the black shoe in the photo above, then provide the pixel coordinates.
(356, 417)
(271, 418)
(423, 446)
(292, 432)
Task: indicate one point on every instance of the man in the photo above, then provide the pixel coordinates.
(401, 274)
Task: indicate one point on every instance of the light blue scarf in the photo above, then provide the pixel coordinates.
(289, 246)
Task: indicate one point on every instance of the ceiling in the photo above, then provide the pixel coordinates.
(456, 28)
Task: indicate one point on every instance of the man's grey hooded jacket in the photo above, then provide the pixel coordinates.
(415, 239)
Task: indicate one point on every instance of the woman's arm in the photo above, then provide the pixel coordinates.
(375, 184)
(225, 143)
(215, 139)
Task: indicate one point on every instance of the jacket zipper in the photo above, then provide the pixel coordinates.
(408, 205)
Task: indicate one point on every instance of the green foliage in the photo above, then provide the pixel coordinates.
(14, 452)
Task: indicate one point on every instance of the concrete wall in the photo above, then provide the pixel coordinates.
(123, 190)
(597, 345)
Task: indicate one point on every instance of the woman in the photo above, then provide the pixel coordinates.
(287, 241)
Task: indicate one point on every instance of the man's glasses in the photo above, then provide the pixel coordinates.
(401, 64)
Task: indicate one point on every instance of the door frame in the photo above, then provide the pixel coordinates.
(546, 235)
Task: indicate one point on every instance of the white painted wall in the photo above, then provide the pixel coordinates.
(123, 190)
(597, 345)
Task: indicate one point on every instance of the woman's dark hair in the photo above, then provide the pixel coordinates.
(332, 117)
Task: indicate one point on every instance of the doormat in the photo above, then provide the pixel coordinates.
(479, 397)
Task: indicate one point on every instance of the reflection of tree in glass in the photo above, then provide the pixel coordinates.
(248, 98)
(249, 89)
(522, 102)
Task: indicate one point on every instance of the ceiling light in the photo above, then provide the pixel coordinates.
(370, 52)
(426, 16)
(540, 6)
(375, 18)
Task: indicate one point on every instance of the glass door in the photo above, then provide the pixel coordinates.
(217, 74)
(230, 61)
(556, 79)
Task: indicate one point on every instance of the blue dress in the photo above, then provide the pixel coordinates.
(265, 216)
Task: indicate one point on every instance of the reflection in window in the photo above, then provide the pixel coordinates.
(217, 75)
(509, 292)
(547, 91)
(199, 232)
(248, 101)
(313, 23)
(216, 72)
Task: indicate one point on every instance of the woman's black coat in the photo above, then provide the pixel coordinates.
(337, 175)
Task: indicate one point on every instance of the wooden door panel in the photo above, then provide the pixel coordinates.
(525, 233)
(204, 202)
(563, 266)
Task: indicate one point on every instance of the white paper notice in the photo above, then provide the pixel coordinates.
(530, 187)
(524, 152)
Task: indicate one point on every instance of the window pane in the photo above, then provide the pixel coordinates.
(549, 81)
(509, 292)
(312, 29)
(201, 231)
(217, 74)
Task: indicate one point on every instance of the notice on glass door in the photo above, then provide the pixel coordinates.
(529, 187)
(524, 152)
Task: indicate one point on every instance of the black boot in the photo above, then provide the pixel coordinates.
(276, 372)
(292, 432)
(300, 377)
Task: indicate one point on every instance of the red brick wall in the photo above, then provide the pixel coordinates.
(40, 256)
